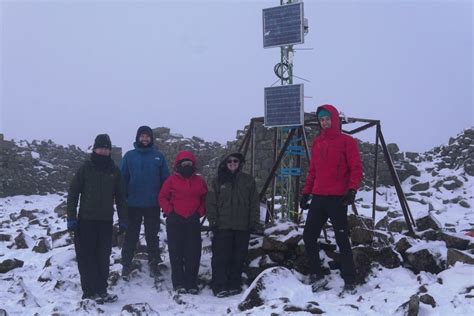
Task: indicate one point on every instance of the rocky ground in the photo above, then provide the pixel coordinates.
(431, 273)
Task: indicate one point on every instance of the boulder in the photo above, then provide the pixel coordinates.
(455, 255)
(281, 243)
(427, 222)
(10, 264)
(264, 289)
(277, 257)
(361, 236)
(359, 221)
(381, 208)
(363, 264)
(383, 223)
(388, 258)
(28, 214)
(420, 186)
(429, 234)
(61, 209)
(393, 148)
(254, 253)
(302, 265)
(452, 241)
(428, 300)
(412, 155)
(397, 225)
(42, 246)
(464, 204)
(23, 241)
(411, 307)
(311, 309)
(423, 260)
(5, 237)
(452, 183)
(61, 238)
(272, 244)
(403, 245)
(138, 309)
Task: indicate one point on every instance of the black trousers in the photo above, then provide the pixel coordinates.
(322, 208)
(229, 251)
(184, 245)
(151, 218)
(93, 244)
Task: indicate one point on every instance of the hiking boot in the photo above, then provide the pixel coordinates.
(318, 282)
(88, 296)
(126, 270)
(154, 271)
(180, 290)
(107, 298)
(234, 291)
(221, 293)
(350, 288)
(193, 291)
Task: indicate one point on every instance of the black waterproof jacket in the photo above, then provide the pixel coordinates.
(98, 189)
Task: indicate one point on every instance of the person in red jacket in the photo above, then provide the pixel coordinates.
(334, 175)
(182, 199)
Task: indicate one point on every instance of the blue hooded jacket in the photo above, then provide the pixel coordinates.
(144, 171)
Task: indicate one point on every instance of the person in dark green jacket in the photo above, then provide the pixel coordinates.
(232, 209)
(98, 184)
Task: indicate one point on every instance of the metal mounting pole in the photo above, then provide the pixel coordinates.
(396, 181)
(374, 197)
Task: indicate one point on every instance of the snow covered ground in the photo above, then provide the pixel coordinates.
(21, 292)
(59, 292)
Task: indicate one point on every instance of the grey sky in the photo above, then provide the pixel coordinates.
(73, 69)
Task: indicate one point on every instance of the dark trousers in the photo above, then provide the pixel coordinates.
(229, 251)
(151, 218)
(93, 244)
(184, 245)
(322, 208)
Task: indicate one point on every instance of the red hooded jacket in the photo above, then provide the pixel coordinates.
(184, 196)
(335, 165)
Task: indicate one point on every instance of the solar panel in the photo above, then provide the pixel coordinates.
(283, 25)
(284, 106)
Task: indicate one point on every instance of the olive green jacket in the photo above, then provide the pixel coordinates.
(98, 189)
(233, 205)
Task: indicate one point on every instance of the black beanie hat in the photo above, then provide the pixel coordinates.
(102, 141)
(144, 130)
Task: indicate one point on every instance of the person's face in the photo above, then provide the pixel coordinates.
(102, 151)
(325, 122)
(233, 164)
(144, 139)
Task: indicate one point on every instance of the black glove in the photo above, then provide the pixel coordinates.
(304, 205)
(72, 225)
(349, 197)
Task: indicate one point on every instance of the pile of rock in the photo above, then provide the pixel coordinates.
(38, 167)
(282, 245)
(459, 153)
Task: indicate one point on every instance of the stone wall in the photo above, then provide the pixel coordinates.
(39, 167)
(43, 166)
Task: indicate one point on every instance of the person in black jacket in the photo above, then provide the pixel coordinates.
(98, 183)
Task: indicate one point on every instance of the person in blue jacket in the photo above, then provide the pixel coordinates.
(144, 170)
